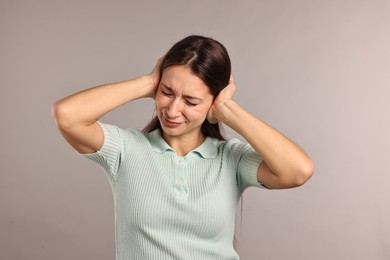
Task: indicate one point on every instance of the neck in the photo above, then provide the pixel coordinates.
(184, 144)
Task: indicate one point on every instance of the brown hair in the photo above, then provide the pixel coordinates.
(209, 60)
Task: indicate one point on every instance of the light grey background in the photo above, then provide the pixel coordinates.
(316, 70)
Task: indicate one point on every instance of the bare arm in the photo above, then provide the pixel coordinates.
(285, 164)
(76, 115)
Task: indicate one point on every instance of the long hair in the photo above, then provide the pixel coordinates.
(209, 60)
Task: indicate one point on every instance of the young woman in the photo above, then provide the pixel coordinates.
(176, 184)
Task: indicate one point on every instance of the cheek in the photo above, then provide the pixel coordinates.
(199, 113)
(161, 101)
(206, 108)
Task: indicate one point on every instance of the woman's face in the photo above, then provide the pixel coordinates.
(182, 102)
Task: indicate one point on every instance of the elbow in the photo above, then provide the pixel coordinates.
(60, 115)
(305, 173)
(290, 179)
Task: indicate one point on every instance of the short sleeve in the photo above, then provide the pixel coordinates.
(248, 168)
(248, 163)
(110, 154)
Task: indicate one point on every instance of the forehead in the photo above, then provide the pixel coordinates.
(181, 79)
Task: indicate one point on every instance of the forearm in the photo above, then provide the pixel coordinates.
(87, 106)
(282, 156)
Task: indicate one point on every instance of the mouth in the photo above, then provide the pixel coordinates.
(170, 123)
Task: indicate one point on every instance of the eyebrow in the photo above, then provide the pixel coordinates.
(185, 96)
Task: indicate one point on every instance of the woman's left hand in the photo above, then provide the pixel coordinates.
(215, 113)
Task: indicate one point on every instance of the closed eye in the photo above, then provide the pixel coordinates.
(190, 103)
(166, 93)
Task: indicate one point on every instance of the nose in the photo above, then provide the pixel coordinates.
(174, 108)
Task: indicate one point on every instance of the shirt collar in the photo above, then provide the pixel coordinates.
(208, 149)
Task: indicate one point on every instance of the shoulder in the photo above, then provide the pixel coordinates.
(233, 145)
(115, 128)
(122, 135)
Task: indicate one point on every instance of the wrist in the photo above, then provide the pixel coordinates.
(224, 109)
(150, 84)
(230, 113)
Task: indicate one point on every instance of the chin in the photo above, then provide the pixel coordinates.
(172, 132)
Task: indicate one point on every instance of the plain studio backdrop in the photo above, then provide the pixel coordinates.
(318, 71)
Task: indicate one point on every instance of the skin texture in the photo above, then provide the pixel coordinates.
(183, 102)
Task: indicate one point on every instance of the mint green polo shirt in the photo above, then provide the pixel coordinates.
(174, 207)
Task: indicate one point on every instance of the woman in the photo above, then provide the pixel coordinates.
(176, 185)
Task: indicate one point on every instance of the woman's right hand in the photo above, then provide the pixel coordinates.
(155, 77)
(76, 115)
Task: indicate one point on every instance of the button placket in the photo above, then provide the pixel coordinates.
(181, 181)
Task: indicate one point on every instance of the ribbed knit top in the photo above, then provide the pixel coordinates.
(173, 207)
